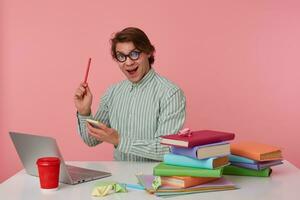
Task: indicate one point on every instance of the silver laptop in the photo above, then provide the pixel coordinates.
(31, 147)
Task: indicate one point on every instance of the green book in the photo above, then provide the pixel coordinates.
(240, 171)
(163, 169)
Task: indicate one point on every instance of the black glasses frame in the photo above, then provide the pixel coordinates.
(128, 55)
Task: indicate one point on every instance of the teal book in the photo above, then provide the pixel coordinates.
(163, 169)
(236, 158)
(240, 171)
(209, 163)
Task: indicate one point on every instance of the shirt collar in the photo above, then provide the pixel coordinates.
(144, 81)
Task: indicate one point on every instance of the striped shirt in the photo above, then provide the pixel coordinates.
(141, 113)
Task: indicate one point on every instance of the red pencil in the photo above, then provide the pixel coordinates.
(87, 71)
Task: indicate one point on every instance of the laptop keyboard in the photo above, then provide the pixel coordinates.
(76, 176)
(78, 173)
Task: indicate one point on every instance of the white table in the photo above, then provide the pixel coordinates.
(284, 183)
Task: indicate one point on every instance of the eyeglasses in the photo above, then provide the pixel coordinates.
(133, 55)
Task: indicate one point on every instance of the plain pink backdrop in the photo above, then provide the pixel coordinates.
(237, 62)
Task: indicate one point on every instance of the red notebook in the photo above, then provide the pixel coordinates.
(196, 138)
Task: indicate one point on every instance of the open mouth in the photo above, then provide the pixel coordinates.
(132, 71)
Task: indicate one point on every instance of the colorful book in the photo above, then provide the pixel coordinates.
(235, 158)
(184, 181)
(217, 185)
(258, 165)
(175, 194)
(256, 151)
(196, 138)
(240, 171)
(171, 170)
(209, 163)
(204, 151)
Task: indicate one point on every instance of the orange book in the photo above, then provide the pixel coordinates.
(184, 181)
(256, 151)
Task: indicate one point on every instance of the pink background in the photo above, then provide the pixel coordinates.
(237, 62)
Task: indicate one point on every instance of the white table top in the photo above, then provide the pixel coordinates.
(284, 183)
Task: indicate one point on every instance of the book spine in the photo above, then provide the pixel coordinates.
(213, 139)
(190, 152)
(243, 153)
(246, 165)
(239, 171)
(236, 158)
(180, 160)
(187, 172)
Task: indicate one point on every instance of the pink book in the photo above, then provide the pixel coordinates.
(196, 138)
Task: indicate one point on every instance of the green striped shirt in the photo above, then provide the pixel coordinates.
(141, 113)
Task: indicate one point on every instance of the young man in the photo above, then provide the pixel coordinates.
(135, 112)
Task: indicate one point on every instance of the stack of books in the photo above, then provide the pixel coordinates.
(195, 163)
(253, 159)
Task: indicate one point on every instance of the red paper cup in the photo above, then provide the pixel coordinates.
(48, 168)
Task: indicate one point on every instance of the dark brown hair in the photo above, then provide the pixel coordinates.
(137, 37)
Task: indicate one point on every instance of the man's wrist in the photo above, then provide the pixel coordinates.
(84, 113)
(117, 141)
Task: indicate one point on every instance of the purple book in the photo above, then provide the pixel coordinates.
(258, 165)
(220, 149)
(220, 184)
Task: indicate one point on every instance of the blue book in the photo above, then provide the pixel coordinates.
(258, 165)
(240, 159)
(209, 163)
(204, 151)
